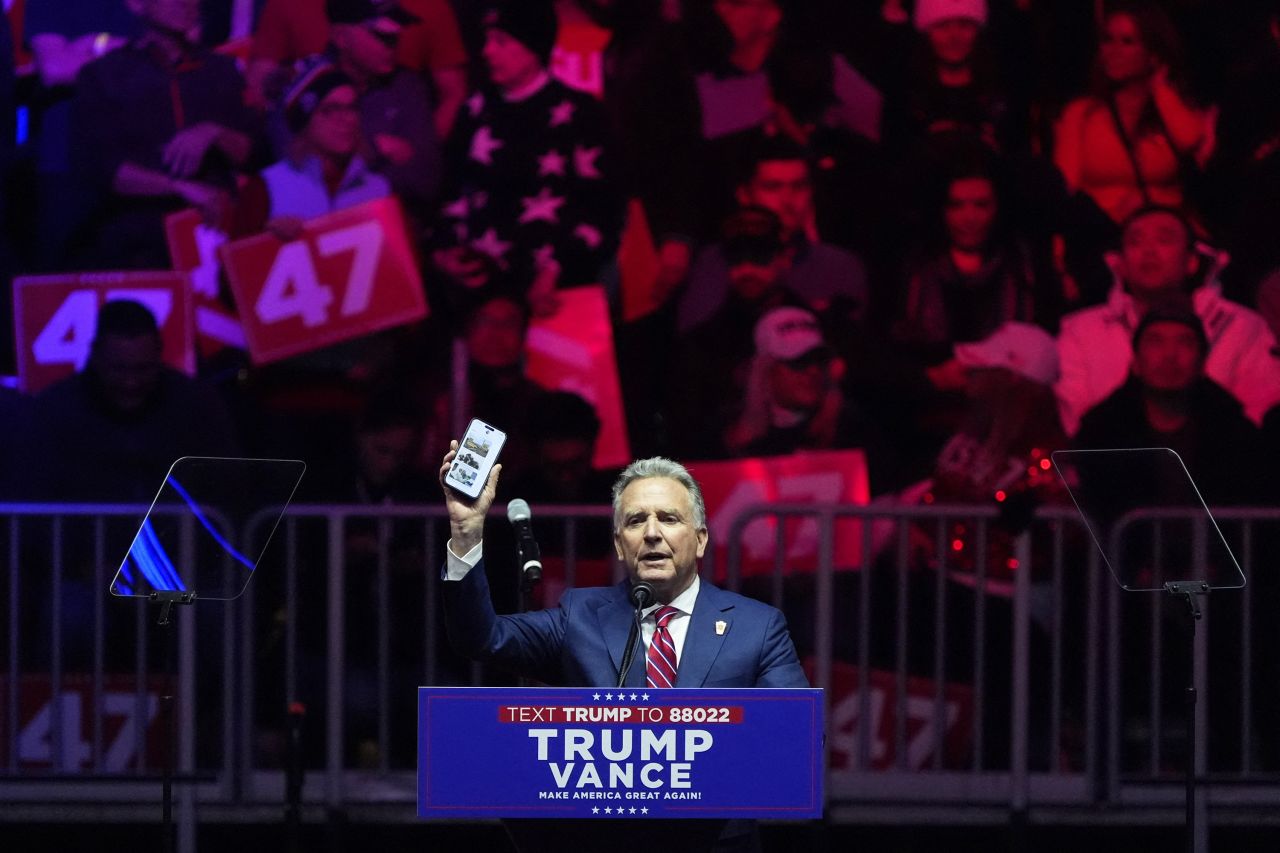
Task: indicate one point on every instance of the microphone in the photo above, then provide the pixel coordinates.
(526, 546)
(642, 594)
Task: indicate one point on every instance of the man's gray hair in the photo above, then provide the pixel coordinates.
(660, 466)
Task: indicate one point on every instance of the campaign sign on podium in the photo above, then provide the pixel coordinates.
(595, 752)
(352, 272)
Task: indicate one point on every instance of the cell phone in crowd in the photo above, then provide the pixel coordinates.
(477, 453)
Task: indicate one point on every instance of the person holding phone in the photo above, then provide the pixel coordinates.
(718, 638)
(660, 533)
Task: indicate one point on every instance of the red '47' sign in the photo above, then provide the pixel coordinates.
(731, 489)
(928, 722)
(351, 273)
(56, 316)
(193, 248)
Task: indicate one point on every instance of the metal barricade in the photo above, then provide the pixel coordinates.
(968, 667)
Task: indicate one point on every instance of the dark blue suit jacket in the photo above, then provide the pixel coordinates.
(581, 642)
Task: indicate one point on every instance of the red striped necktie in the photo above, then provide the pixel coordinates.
(660, 666)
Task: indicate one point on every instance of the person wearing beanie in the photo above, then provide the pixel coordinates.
(1168, 401)
(951, 84)
(531, 23)
(1159, 259)
(532, 204)
(323, 171)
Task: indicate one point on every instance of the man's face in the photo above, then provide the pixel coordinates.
(800, 384)
(511, 64)
(369, 49)
(782, 186)
(495, 337)
(334, 128)
(753, 282)
(385, 453)
(952, 40)
(970, 214)
(655, 536)
(127, 369)
(1167, 357)
(1155, 254)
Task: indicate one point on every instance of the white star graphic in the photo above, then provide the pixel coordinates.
(562, 113)
(632, 810)
(475, 104)
(633, 697)
(595, 696)
(491, 245)
(622, 697)
(608, 810)
(589, 235)
(644, 810)
(483, 145)
(458, 208)
(551, 163)
(595, 810)
(609, 696)
(644, 696)
(543, 207)
(584, 161)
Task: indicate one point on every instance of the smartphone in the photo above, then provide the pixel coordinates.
(477, 453)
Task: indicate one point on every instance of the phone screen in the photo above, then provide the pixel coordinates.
(477, 453)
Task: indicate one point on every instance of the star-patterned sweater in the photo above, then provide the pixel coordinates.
(529, 183)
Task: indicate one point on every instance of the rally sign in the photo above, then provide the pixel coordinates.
(193, 249)
(60, 734)
(353, 272)
(936, 723)
(56, 317)
(577, 60)
(573, 351)
(823, 477)
(605, 754)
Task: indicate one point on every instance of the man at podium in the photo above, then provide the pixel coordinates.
(694, 634)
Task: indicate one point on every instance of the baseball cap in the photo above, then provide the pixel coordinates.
(1020, 348)
(1175, 308)
(787, 333)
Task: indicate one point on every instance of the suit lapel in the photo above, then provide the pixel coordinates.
(615, 625)
(703, 642)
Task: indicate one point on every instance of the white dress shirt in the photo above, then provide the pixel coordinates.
(457, 567)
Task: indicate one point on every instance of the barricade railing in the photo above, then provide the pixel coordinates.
(967, 663)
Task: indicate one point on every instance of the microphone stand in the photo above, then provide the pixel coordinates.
(530, 576)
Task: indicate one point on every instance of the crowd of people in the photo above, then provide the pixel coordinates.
(953, 233)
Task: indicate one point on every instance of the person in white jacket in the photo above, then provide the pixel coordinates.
(1157, 257)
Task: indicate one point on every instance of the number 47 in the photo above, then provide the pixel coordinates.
(293, 289)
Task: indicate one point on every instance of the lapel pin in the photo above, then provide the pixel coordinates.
(721, 627)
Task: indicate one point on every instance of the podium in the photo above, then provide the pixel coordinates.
(610, 754)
